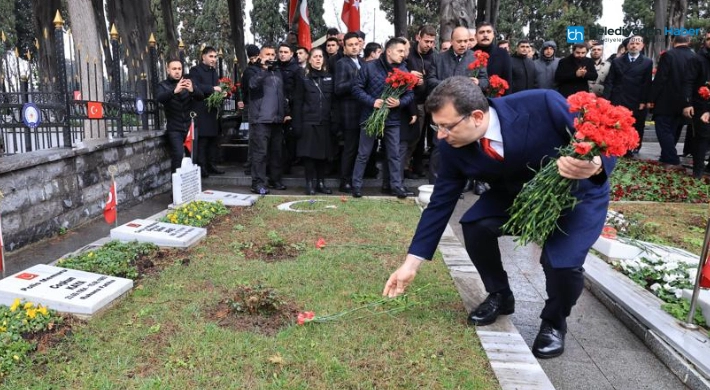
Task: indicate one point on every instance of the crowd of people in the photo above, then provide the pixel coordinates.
(306, 106)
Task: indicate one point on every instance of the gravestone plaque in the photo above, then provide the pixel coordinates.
(187, 182)
(227, 198)
(62, 289)
(159, 233)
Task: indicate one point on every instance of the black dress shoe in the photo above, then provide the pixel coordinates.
(357, 192)
(213, 169)
(259, 189)
(277, 185)
(406, 191)
(345, 186)
(322, 188)
(488, 311)
(401, 192)
(549, 343)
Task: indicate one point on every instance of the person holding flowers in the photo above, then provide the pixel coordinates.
(696, 97)
(381, 116)
(204, 77)
(499, 141)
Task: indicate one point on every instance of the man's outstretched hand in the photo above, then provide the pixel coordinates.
(402, 277)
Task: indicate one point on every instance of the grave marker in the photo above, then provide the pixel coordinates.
(159, 233)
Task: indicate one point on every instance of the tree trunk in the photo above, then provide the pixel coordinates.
(85, 34)
(166, 7)
(455, 13)
(236, 22)
(660, 8)
(400, 18)
(103, 31)
(44, 11)
(134, 22)
(677, 13)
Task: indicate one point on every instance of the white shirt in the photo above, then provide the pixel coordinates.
(493, 133)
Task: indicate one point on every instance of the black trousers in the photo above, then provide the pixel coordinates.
(563, 285)
(640, 125)
(701, 144)
(265, 142)
(351, 141)
(207, 151)
(176, 148)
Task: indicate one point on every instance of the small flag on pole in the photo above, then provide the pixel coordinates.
(705, 275)
(190, 136)
(304, 26)
(110, 208)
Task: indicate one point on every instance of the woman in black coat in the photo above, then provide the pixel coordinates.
(312, 98)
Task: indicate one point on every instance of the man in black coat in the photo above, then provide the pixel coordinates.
(204, 77)
(178, 97)
(698, 75)
(267, 111)
(629, 83)
(289, 67)
(420, 59)
(667, 99)
(346, 70)
(575, 71)
(499, 60)
(524, 75)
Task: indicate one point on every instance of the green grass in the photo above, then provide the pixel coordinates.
(162, 337)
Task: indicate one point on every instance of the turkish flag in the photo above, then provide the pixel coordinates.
(705, 275)
(304, 26)
(95, 110)
(190, 137)
(351, 14)
(111, 203)
(292, 6)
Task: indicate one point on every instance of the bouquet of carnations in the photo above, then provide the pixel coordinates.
(214, 101)
(479, 63)
(496, 86)
(600, 129)
(397, 82)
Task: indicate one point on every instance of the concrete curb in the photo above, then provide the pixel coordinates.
(512, 361)
(684, 352)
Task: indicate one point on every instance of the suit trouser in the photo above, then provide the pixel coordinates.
(403, 145)
(265, 141)
(701, 140)
(563, 285)
(351, 140)
(391, 138)
(666, 126)
(207, 151)
(176, 141)
(640, 125)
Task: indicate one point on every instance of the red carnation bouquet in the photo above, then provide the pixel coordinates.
(704, 91)
(496, 86)
(600, 129)
(479, 63)
(397, 82)
(214, 101)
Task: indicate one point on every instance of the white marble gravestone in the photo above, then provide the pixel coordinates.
(159, 233)
(62, 289)
(187, 182)
(227, 198)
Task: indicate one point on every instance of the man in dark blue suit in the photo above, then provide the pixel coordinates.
(499, 141)
(629, 83)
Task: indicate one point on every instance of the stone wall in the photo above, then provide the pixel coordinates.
(50, 190)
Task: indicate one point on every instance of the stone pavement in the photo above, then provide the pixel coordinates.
(601, 353)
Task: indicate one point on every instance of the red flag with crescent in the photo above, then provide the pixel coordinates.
(351, 14)
(292, 6)
(190, 137)
(95, 110)
(304, 26)
(111, 203)
(705, 275)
